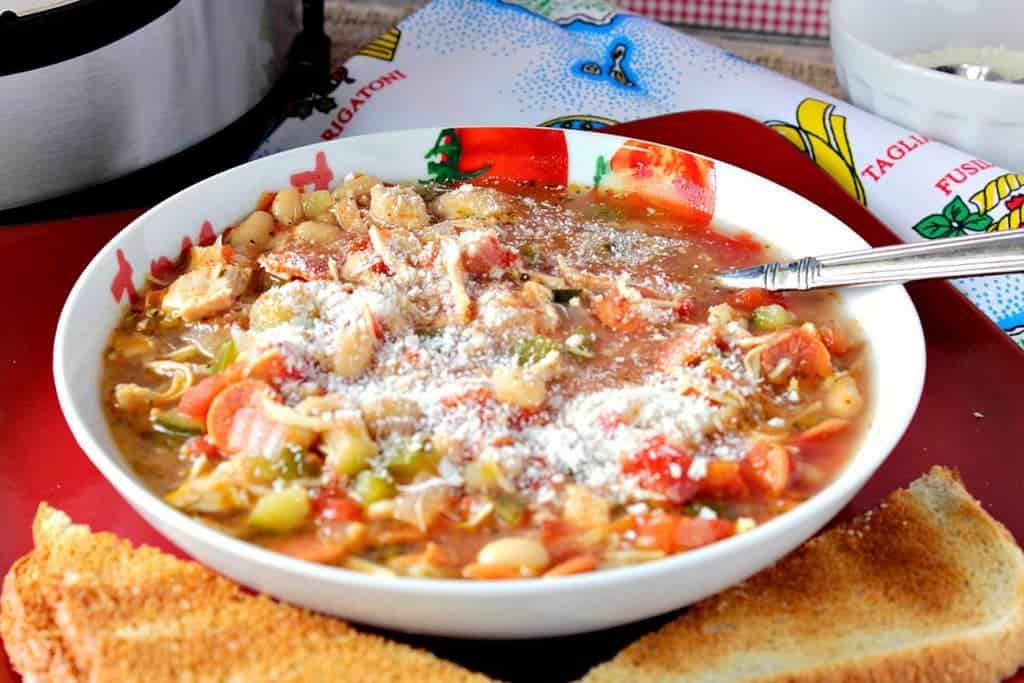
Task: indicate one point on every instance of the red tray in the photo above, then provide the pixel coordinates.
(967, 418)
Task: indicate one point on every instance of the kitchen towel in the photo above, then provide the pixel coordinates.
(784, 17)
(586, 64)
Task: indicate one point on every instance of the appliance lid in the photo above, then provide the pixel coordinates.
(38, 33)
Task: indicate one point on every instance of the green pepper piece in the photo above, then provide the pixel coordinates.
(508, 509)
(529, 254)
(584, 346)
(564, 296)
(369, 487)
(225, 356)
(412, 457)
(693, 508)
(530, 350)
(770, 318)
(177, 424)
(428, 332)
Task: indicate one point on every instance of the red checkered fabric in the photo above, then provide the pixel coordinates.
(789, 17)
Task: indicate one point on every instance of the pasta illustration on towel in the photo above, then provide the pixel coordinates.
(820, 134)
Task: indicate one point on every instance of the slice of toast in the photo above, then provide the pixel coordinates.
(89, 607)
(927, 588)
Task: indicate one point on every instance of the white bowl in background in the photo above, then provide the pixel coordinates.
(869, 40)
(520, 608)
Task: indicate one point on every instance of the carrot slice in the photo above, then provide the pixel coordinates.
(196, 400)
(574, 565)
(825, 429)
(477, 570)
(310, 547)
(221, 415)
(272, 368)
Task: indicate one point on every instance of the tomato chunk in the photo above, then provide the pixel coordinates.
(335, 506)
(723, 479)
(196, 400)
(805, 353)
(658, 531)
(618, 313)
(487, 253)
(694, 532)
(198, 446)
(836, 340)
(689, 347)
(749, 299)
(664, 468)
(766, 469)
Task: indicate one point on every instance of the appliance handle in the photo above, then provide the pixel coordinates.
(38, 39)
(310, 59)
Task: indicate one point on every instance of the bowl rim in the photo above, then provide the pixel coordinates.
(856, 471)
(905, 67)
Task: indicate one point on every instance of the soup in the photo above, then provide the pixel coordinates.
(485, 382)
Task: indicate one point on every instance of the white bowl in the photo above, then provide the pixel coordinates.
(522, 608)
(869, 41)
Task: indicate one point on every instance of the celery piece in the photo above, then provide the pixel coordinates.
(370, 487)
(225, 356)
(348, 451)
(281, 511)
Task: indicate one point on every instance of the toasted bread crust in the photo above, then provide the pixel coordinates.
(926, 588)
(33, 641)
(90, 607)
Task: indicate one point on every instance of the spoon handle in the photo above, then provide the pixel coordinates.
(955, 257)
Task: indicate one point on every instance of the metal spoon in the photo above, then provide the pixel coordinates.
(975, 72)
(953, 257)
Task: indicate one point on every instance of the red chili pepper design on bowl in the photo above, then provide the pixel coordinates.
(524, 154)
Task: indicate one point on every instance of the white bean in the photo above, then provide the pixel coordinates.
(398, 206)
(515, 552)
(357, 186)
(844, 398)
(355, 350)
(316, 203)
(322, 234)
(523, 389)
(254, 230)
(348, 216)
(287, 206)
(584, 508)
(388, 415)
